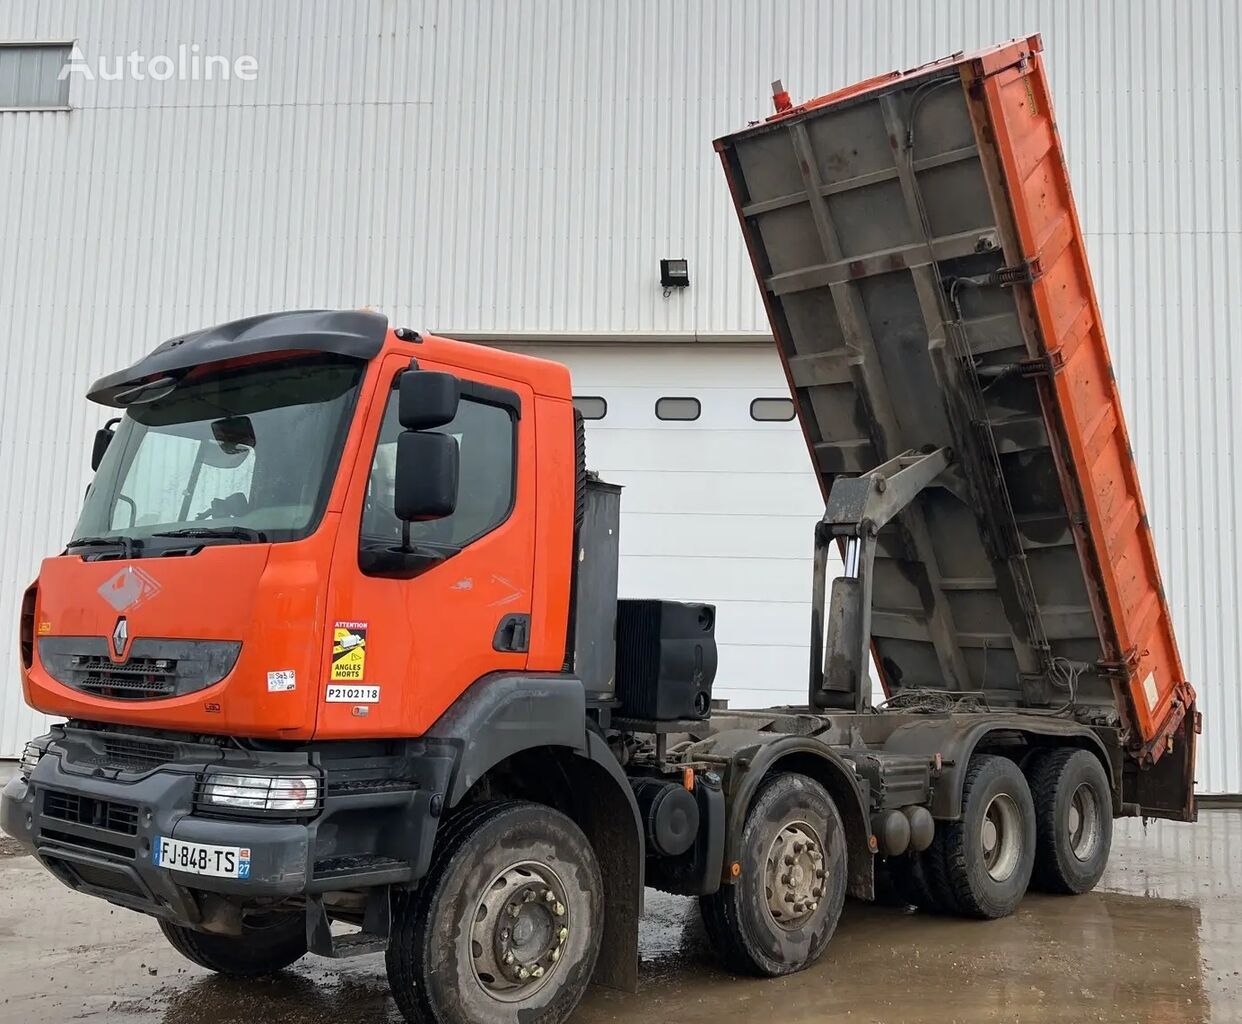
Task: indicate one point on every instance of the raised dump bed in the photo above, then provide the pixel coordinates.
(926, 278)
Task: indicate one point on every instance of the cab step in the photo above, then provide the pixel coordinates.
(372, 938)
(355, 944)
(360, 870)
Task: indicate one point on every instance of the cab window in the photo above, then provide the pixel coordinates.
(485, 436)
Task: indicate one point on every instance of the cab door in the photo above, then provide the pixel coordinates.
(399, 651)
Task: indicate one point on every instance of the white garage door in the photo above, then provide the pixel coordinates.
(720, 508)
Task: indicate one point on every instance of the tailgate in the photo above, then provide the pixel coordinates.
(926, 279)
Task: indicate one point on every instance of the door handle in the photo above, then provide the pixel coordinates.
(513, 634)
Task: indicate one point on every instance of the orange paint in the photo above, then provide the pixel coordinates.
(427, 638)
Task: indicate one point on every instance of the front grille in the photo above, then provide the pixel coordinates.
(100, 877)
(156, 667)
(85, 810)
(85, 843)
(135, 679)
(128, 754)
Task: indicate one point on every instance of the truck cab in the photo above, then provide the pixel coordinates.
(319, 589)
(261, 486)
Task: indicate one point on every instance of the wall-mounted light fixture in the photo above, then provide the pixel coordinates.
(675, 273)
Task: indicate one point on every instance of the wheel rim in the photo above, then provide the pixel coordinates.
(519, 929)
(795, 875)
(1000, 838)
(1083, 822)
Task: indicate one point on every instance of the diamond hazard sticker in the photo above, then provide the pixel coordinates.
(349, 651)
(128, 588)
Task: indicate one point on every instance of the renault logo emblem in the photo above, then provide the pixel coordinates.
(120, 637)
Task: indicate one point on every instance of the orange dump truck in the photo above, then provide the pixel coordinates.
(344, 670)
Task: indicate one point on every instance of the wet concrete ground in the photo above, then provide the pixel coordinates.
(1160, 941)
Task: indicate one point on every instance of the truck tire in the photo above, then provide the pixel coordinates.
(910, 878)
(1073, 821)
(778, 916)
(256, 952)
(942, 897)
(984, 861)
(506, 926)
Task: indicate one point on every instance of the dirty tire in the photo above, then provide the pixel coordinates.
(909, 874)
(739, 922)
(1073, 821)
(256, 952)
(980, 883)
(433, 953)
(934, 861)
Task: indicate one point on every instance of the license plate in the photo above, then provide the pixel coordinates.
(201, 859)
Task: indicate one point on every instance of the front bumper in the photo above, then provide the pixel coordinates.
(95, 826)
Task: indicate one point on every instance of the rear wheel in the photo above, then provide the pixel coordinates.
(1074, 821)
(986, 858)
(263, 948)
(779, 915)
(506, 926)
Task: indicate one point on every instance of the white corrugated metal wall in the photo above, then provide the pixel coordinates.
(520, 168)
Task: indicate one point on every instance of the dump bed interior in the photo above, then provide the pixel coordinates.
(926, 279)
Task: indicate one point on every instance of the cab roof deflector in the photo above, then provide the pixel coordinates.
(358, 333)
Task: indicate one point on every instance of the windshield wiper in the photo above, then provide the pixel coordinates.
(129, 545)
(234, 532)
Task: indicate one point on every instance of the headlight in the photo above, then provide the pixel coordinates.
(35, 749)
(261, 792)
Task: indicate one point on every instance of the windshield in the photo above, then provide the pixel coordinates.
(242, 454)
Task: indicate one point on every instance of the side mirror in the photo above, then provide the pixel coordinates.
(428, 399)
(103, 438)
(425, 484)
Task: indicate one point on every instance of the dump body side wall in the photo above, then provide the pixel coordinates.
(922, 264)
(1015, 110)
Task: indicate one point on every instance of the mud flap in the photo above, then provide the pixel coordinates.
(611, 822)
(1166, 789)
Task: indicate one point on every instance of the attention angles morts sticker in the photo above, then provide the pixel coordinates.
(349, 652)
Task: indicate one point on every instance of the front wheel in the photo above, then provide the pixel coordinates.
(264, 947)
(778, 916)
(506, 926)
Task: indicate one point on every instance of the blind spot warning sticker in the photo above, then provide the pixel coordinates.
(349, 651)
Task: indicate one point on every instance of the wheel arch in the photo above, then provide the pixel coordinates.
(956, 740)
(754, 756)
(527, 736)
(591, 789)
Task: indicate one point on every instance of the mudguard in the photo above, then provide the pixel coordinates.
(505, 714)
(749, 755)
(955, 739)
